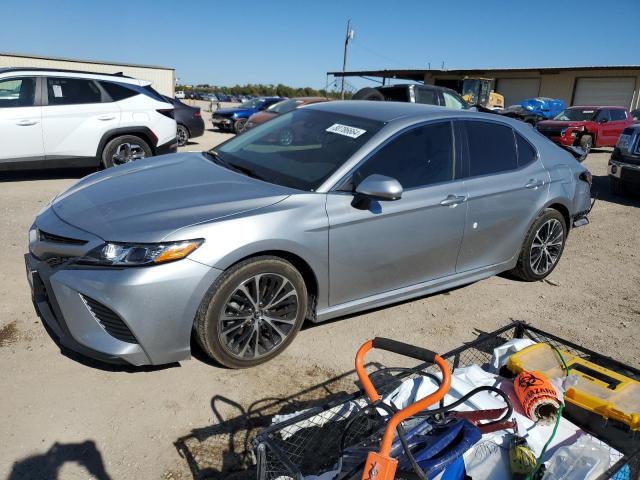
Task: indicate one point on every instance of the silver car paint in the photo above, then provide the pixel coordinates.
(359, 259)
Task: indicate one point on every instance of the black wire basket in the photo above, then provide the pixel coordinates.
(307, 443)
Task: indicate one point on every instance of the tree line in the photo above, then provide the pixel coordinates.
(260, 89)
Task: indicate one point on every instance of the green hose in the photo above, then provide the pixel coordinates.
(555, 427)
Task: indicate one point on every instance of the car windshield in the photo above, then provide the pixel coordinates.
(299, 149)
(576, 114)
(284, 106)
(255, 103)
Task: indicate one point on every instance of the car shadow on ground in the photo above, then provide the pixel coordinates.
(601, 192)
(54, 174)
(48, 465)
(224, 449)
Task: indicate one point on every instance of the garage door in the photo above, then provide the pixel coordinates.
(616, 91)
(515, 90)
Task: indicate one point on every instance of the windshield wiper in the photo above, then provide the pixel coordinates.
(216, 158)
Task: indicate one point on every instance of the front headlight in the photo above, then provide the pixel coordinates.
(139, 254)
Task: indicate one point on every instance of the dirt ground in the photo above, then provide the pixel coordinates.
(68, 418)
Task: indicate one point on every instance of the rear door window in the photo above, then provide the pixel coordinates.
(72, 91)
(492, 148)
(118, 91)
(17, 92)
(426, 96)
(451, 101)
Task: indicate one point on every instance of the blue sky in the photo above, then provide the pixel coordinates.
(297, 42)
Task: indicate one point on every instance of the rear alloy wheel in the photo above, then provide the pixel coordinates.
(252, 312)
(182, 135)
(586, 143)
(542, 247)
(125, 149)
(239, 125)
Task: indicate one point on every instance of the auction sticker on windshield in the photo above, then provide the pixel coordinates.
(345, 130)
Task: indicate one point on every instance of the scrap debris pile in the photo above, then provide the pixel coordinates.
(523, 416)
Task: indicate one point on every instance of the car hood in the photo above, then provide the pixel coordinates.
(560, 123)
(147, 200)
(262, 117)
(228, 112)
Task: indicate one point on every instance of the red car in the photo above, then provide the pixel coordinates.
(281, 107)
(587, 127)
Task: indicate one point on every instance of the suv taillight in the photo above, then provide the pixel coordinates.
(197, 114)
(167, 112)
(586, 177)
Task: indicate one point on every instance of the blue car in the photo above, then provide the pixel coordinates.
(532, 110)
(234, 119)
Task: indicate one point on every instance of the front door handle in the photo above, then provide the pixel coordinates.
(453, 200)
(106, 117)
(534, 183)
(26, 123)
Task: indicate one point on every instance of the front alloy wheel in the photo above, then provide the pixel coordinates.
(252, 312)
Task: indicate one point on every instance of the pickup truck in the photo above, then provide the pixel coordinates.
(624, 164)
(587, 127)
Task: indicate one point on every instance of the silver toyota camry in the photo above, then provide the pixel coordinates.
(327, 210)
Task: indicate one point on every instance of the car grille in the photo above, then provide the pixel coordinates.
(109, 320)
(630, 175)
(50, 237)
(55, 261)
(551, 131)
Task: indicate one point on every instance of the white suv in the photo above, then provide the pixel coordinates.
(64, 118)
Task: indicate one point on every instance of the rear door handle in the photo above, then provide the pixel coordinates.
(534, 183)
(453, 200)
(26, 123)
(106, 117)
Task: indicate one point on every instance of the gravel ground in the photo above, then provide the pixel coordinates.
(69, 418)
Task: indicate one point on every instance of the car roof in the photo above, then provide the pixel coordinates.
(116, 77)
(379, 111)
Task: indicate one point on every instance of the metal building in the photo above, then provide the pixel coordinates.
(594, 85)
(162, 78)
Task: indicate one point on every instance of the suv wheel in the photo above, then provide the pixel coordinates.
(542, 247)
(125, 149)
(252, 312)
(368, 93)
(586, 142)
(182, 135)
(239, 125)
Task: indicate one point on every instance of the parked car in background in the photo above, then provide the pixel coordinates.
(180, 94)
(367, 206)
(188, 119)
(413, 93)
(533, 110)
(587, 127)
(64, 118)
(234, 119)
(279, 108)
(624, 164)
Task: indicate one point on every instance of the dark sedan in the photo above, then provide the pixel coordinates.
(189, 120)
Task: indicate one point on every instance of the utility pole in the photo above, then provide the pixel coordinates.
(347, 37)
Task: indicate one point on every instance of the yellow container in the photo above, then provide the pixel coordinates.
(599, 390)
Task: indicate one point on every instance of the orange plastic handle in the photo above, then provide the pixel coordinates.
(409, 410)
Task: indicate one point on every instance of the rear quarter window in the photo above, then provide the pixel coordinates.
(526, 153)
(492, 148)
(118, 91)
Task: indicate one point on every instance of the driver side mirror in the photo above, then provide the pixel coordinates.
(379, 187)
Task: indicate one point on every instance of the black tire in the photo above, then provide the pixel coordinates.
(524, 269)
(586, 143)
(137, 146)
(615, 186)
(368, 93)
(207, 323)
(182, 135)
(238, 126)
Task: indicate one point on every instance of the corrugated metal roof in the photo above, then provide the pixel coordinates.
(419, 73)
(80, 60)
